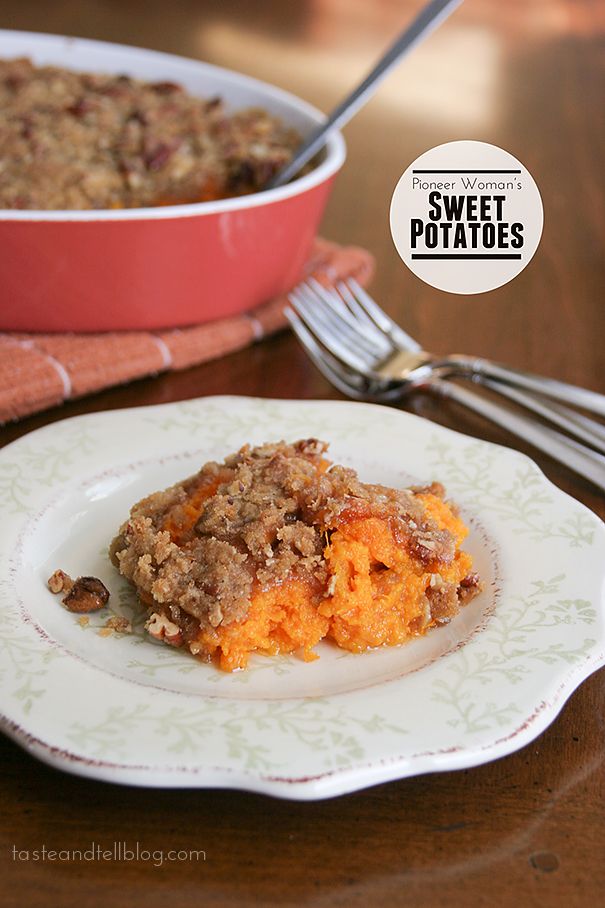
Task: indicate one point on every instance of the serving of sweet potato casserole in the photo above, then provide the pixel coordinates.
(77, 141)
(276, 548)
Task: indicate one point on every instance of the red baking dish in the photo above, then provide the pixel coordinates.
(159, 267)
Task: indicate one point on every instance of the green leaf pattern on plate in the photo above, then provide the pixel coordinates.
(523, 503)
(316, 725)
(23, 664)
(508, 656)
(42, 465)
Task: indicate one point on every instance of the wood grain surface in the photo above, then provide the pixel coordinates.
(527, 830)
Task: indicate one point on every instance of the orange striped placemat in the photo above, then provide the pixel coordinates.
(38, 371)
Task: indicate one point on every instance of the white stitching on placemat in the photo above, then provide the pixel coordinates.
(257, 328)
(164, 350)
(57, 364)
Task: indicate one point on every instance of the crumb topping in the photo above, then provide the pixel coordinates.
(200, 549)
(71, 140)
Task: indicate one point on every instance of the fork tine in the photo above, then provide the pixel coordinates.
(333, 339)
(331, 334)
(329, 367)
(360, 313)
(381, 319)
(347, 307)
(327, 302)
(331, 299)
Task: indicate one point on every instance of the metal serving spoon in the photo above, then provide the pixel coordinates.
(433, 14)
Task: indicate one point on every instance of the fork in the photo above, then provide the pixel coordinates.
(352, 342)
(382, 351)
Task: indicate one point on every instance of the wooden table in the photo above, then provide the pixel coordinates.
(526, 830)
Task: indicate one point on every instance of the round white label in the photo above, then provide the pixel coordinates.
(466, 217)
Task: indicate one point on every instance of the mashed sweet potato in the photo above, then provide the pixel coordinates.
(276, 549)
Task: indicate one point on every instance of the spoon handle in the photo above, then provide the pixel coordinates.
(433, 14)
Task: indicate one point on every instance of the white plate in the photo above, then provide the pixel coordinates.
(128, 710)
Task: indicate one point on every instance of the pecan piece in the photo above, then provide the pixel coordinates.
(60, 582)
(165, 88)
(158, 156)
(88, 594)
(159, 627)
(81, 107)
(469, 587)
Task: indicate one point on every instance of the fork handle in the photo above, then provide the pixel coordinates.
(586, 463)
(581, 427)
(539, 384)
